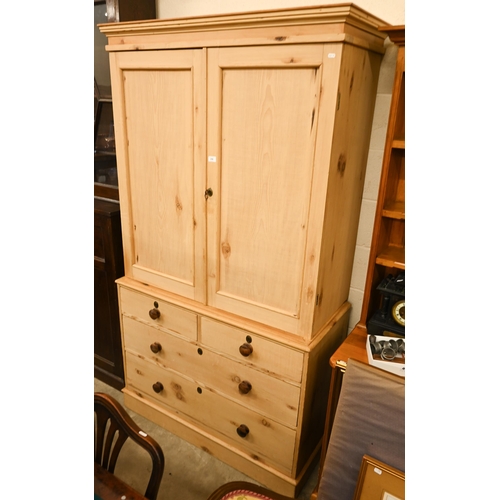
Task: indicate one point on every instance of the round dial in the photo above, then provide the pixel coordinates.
(398, 312)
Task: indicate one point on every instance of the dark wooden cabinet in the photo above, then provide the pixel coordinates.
(128, 10)
(108, 266)
(108, 249)
(109, 11)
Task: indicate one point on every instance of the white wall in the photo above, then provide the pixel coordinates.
(391, 11)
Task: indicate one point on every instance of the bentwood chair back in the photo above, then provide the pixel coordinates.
(110, 438)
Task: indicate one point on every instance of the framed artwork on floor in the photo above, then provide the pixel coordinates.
(379, 481)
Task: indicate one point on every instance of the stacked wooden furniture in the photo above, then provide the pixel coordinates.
(387, 254)
(241, 143)
(108, 250)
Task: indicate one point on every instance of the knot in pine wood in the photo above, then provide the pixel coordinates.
(178, 204)
(226, 249)
(341, 164)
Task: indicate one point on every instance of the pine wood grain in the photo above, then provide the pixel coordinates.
(215, 372)
(272, 442)
(161, 162)
(173, 319)
(241, 163)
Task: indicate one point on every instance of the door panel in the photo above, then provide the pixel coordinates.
(262, 128)
(162, 164)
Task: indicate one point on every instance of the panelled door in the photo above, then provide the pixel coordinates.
(265, 134)
(160, 132)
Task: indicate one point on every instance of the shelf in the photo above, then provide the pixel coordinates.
(387, 253)
(392, 257)
(394, 210)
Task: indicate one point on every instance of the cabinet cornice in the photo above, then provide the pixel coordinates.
(342, 22)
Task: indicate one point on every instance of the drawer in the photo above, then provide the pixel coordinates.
(175, 319)
(262, 438)
(273, 358)
(258, 391)
(157, 345)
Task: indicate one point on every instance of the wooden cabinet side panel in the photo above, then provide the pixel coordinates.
(326, 122)
(349, 153)
(315, 390)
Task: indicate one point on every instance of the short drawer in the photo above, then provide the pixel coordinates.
(146, 307)
(158, 345)
(256, 390)
(262, 438)
(256, 351)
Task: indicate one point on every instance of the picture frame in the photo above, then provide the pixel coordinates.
(379, 481)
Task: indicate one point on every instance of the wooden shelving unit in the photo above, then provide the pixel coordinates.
(387, 254)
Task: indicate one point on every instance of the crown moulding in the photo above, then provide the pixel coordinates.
(395, 33)
(343, 17)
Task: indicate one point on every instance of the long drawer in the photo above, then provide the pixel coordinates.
(256, 390)
(175, 319)
(262, 438)
(271, 357)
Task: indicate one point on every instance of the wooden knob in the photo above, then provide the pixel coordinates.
(246, 349)
(245, 387)
(154, 313)
(157, 387)
(242, 430)
(155, 347)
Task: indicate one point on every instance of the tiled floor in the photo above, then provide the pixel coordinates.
(190, 473)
